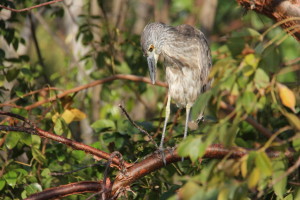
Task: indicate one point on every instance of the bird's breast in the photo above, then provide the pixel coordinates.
(184, 84)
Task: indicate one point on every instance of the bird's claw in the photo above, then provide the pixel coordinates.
(161, 152)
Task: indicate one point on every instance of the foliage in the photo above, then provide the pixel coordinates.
(253, 73)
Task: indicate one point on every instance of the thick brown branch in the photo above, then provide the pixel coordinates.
(66, 190)
(30, 8)
(150, 164)
(278, 10)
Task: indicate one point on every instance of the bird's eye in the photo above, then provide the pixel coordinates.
(151, 47)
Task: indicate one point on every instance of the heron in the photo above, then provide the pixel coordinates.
(187, 62)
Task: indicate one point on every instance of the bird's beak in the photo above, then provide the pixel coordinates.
(152, 60)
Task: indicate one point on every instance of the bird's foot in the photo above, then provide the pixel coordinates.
(200, 119)
(161, 152)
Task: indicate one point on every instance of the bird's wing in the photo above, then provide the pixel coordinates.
(198, 52)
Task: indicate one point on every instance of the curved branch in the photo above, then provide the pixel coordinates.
(150, 164)
(92, 84)
(279, 10)
(75, 145)
(30, 8)
(66, 190)
(134, 78)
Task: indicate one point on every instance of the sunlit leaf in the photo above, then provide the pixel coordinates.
(11, 178)
(2, 183)
(253, 178)
(244, 169)
(78, 115)
(287, 96)
(263, 162)
(68, 116)
(191, 147)
(12, 139)
(223, 195)
(293, 119)
(261, 78)
(188, 190)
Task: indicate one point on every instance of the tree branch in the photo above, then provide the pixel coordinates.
(73, 144)
(150, 164)
(30, 8)
(134, 78)
(285, 11)
(92, 84)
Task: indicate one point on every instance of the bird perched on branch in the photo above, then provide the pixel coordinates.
(187, 60)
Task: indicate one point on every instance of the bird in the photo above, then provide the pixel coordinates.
(187, 62)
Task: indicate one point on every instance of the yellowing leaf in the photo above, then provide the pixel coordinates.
(78, 115)
(68, 116)
(293, 119)
(287, 96)
(244, 169)
(253, 178)
(223, 195)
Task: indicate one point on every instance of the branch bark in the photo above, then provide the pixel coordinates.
(150, 164)
(287, 12)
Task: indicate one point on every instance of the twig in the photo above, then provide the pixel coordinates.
(8, 103)
(251, 121)
(76, 170)
(137, 126)
(92, 84)
(37, 48)
(30, 8)
(73, 144)
(27, 121)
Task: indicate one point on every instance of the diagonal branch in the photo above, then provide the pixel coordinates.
(151, 163)
(134, 78)
(71, 143)
(30, 8)
(287, 12)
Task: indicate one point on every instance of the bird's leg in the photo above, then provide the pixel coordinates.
(166, 121)
(188, 109)
(161, 148)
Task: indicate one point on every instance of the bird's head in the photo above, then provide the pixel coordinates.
(151, 45)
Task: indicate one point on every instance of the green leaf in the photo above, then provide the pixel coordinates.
(102, 124)
(293, 119)
(2, 183)
(46, 172)
(78, 155)
(12, 74)
(200, 104)
(11, 178)
(261, 78)
(279, 169)
(35, 141)
(263, 162)
(248, 101)
(296, 142)
(192, 147)
(12, 139)
(33, 188)
(37, 154)
(60, 126)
